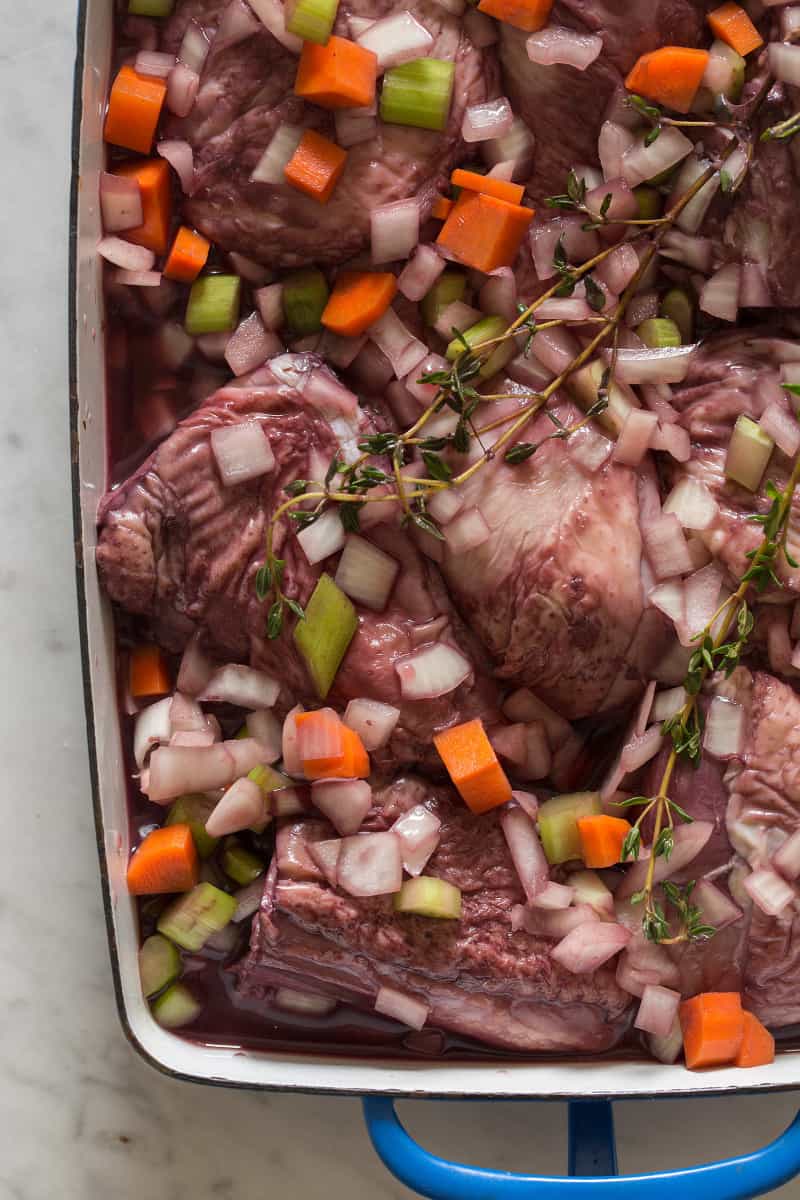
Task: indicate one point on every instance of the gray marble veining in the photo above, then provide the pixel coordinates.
(80, 1115)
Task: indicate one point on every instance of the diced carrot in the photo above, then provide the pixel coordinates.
(347, 760)
(530, 15)
(758, 1044)
(731, 24)
(316, 165)
(489, 186)
(134, 107)
(669, 76)
(484, 232)
(187, 256)
(358, 299)
(601, 840)
(149, 674)
(166, 861)
(713, 1029)
(442, 208)
(339, 74)
(356, 759)
(155, 186)
(472, 765)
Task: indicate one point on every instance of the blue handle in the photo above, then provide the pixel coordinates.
(592, 1165)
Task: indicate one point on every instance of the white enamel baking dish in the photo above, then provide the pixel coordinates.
(228, 1064)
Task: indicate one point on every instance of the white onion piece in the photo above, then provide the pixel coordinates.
(554, 349)
(784, 62)
(590, 177)
(237, 24)
(640, 162)
(693, 213)
(241, 806)
(289, 801)
(444, 504)
(554, 896)
(619, 268)
(152, 62)
(552, 923)
(653, 366)
(373, 721)
(265, 727)
(517, 145)
(769, 891)
(667, 1049)
(556, 45)
(588, 888)
(621, 205)
(249, 269)
(306, 1003)
(635, 437)
(237, 684)
(694, 252)
(498, 296)
(195, 670)
(270, 305)
(786, 859)
(194, 47)
(292, 759)
(701, 599)
(692, 502)
(668, 702)
(589, 946)
(529, 372)
(588, 448)
(394, 230)
(325, 855)
(402, 349)
(642, 963)
(754, 289)
(125, 254)
(186, 715)
(781, 427)
(644, 710)
(433, 670)
(724, 732)
(658, 1010)
(689, 840)
(250, 345)
(527, 802)
(526, 851)
(120, 203)
(193, 737)
(370, 864)
(670, 599)
(182, 88)
(396, 39)
(665, 546)
(674, 440)
(324, 537)
(492, 119)
(242, 452)
(340, 351)
(366, 573)
(425, 393)
(719, 296)
(345, 802)
(457, 315)
(466, 531)
(270, 167)
(401, 1007)
(568, 308)
(248, 900)
(613, 141)
(716, 908)
(354, 126)
(153, 728)
(328, 396)
(419, 831)
(180, 156)
(526, 746)
(420, 273)
(790, 22)
(178, 769)
(271, 14)
(642, 306)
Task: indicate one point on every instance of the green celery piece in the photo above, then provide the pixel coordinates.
(268, 779)
(489, 327)
(418, 93)
(305, 294)
(558, 824)
(194, 810)
(749, 452)
(648, 202)
(213, 304)
(237, 862)
(193, 918)
(150, 8)
(159, 964)
(449, 287)
(736, 65)
(427, 896)
(584, 385)
(659, 333)
(323, 636)
(176, 1007)
(677, 305)
(311, 20)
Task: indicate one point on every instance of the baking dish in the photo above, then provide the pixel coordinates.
(591, 1081)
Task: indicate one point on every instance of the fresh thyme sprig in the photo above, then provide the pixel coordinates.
(783, 131)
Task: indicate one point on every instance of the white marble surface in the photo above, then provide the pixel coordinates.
(80, 1115)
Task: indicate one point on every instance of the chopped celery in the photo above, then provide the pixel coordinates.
(242, 866)
(159, 964)
(449, 287)
(418, 93)
(584, 385)
(213, 304)
(482, 331)
(427, 896)
(678, 306)
(311, 20)
(150, 8)
(590, 889)
(268, 779)
(305, 294)
(194, 810)
(558, 824)
(749, 452)
(176, 1007)
(658, 333)
(193, 918)
(648, 202)
(725, 71)
(323, 636)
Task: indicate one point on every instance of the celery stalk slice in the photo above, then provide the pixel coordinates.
(193, 918)
(176, 1007)
(159, 964)
(311, 20)
(194, 810)
(749, 452)
(323, 636)
(481, 331)
(213, 304)
(449, 287)
(418, 93)
(237, 862)
(150, 8)
(659, 333)
(427, 896)
(677, 305)
(558, 824)
(305, 294)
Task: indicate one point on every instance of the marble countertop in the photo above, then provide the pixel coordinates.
(80, 1114)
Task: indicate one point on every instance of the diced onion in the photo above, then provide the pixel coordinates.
(435, 669)
(443, 505)
(526, 851)
(701, 600)
(401, 1007)
(668, 702)
(394, 230)
(324, 392)
(641, 162)
(402, 349)
(366, 573)
(182, 88)
(457, 315)
(125, 254)
(719, 296)
(554, 45)
(667, 1049)
(153, 728)
(466, 531)
(782, 427)
(195, 670)
(515, 146)
(790, 22)
(292, 759)
(612, 143)
(614, 198)
(426, 393)
(552, 923)
(568, 308)
(326, 856)
(152, 62)
(694, 252)
(245, 686)
(658, 1010)
(250, 345)
(654, 366)
(320, 739)
(670, 599)
(554, 896)
(784, 62)
(420, 273)
(692, 502)
(693, 213)
(270, 305)
(241, 806)
(498, 296)
(492, 119)
(396, 39)
(264, 726)
(619, 268)
(248, 900)
(373, 721)
(769, 891)
(345, 802)
(120, 203)
(786, 859)
(716, 908)
(665, 546)
(324, 537)
(305, 1003)
(186, 715)
(178, 769)
(242, 452)
(370, 864)
(180, 156)
(271, 13)
(418, 831)
(270, 167)
(635, 437)
(194, 47)
(724, 732)
(589, 946)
